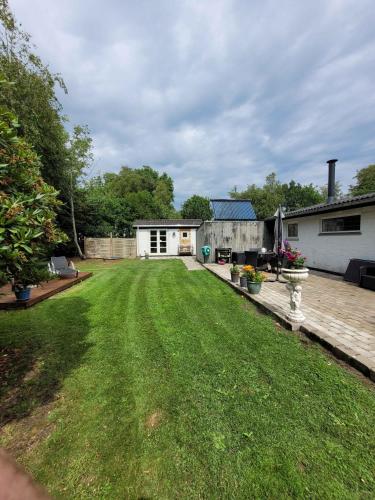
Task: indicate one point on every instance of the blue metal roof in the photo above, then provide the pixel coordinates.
(233, 210)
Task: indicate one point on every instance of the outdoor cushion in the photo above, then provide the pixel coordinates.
(61, 267)
(367, 274)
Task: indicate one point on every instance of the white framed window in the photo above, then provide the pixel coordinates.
(344, 224)
(185, 234)
(293, 230)
(158, 241)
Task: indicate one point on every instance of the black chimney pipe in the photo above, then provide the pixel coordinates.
(331, 180)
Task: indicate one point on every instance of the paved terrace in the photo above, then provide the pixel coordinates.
(338, 314)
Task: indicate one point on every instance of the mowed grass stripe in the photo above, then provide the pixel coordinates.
(174, 386)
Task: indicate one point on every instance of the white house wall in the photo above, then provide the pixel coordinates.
(332, 252)
(173, 238)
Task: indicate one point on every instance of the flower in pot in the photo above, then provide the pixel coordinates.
(295, 273)
(254, 279)
(31, 273)
(235, 273)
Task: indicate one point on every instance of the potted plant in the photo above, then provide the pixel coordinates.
(295, 269)
(235, 273)
(254, 279)
(243, 279)
(295, 273)
(30, 274)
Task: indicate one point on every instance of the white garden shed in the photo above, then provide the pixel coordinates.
(166, 237)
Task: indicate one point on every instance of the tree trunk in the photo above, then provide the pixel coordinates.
(75, 237)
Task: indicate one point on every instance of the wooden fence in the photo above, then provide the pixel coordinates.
(109, 248)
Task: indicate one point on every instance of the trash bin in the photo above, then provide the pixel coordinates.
(206, 251)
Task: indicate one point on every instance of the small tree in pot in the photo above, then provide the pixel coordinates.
(32, 273)
(235, 273)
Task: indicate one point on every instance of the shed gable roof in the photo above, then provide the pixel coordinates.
(232, 209)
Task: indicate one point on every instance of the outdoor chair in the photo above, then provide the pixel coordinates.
(251, 258)
(60, 266)
(367, 277)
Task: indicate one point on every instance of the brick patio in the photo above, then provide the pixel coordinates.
(340, 315)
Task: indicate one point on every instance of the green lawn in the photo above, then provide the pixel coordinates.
(149, 381)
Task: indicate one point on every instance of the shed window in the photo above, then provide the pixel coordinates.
(341, 224)
(293, 230)
(185, 234)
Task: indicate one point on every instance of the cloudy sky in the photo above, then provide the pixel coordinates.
(216, 92)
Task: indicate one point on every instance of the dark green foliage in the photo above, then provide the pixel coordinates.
(196, 207)
(111, 203)
(138, 387)
(27, 204)
(273, 193)
(365, 181)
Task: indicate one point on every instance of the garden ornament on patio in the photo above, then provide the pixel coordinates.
(295, 274)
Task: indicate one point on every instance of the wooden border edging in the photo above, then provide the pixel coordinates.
(14, 305)
(324, 340)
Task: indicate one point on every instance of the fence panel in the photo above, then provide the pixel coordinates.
(108, 248)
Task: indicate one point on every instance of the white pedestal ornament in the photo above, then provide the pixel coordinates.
(294, 278)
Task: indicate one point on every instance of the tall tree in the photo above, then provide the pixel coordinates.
(267, 198)
(264, 199)
(32, 97)
(79, 159)
(196, 207)
(365, 181)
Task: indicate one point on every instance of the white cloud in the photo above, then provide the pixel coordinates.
(219, 92)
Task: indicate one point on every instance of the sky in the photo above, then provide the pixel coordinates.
(217, 93)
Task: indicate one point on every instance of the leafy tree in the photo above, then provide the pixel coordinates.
(273, 193)
(297, 195)
(32, 97)
(264, 199)
(365, 181)
(27, 204)
(196, 207)
(338, 191)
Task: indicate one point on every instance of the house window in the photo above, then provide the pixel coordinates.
(293, 230)
(185, 234)
(341, 224)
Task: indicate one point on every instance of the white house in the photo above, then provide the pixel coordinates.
(166, 237)
(332, 233)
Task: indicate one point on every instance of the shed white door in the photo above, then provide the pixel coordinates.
(158, 241)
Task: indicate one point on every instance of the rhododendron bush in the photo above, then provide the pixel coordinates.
(27, 204)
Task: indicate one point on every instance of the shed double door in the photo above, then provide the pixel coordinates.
(158, 241)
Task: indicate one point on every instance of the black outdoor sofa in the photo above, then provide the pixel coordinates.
(361, 271)
(367, 277)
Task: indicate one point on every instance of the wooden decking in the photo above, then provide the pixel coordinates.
(42, 292)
